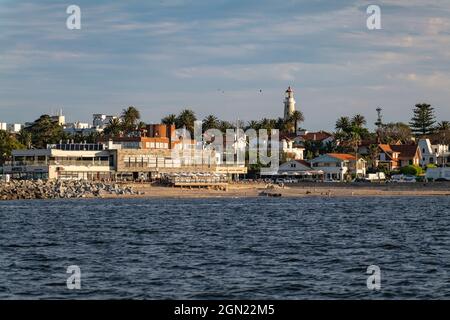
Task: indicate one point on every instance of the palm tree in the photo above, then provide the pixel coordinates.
(130, 117)
(343, 124)
(253, 125)
(25, 138)
(224, 126)
(114, 127)
(374, 152)
(443, 126)
(296, 117)
(210, 122)
(355, 141)
(359, 121)
(268, 124)
(169, 120)
(186, 118)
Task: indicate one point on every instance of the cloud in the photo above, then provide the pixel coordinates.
(166, 54)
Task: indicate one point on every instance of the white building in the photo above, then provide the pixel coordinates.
(3, 126)
(291, 149)
(14, 127)
(437, 154)
(289, 105)
(59, 118)
(79, 128)
(337, 166)
(66, 161)
(100, 121)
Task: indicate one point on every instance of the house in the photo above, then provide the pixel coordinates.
(437, 154)
(394, 157)
(294, 167)
(322, 137)
(337, 166)
(364, 147)
(298, 169)
(291, 149)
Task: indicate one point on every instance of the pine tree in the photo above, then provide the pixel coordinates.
(423, 120)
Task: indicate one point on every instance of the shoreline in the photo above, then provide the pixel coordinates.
(135, 190)
(292, 191)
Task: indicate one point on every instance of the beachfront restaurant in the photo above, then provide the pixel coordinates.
(295, 169)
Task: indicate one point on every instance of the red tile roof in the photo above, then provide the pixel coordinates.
(405, 151)
(316, 136)
(342, 156)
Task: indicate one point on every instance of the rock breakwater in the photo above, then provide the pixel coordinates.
(39, 189)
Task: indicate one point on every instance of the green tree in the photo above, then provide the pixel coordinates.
(443, 126)
(45, 131)
(374, 153)
(343, 124)
(296, 118)
(8, 143)
(224, 126)
(186, 118)
(130, 118)
(25, 138)
(210, 122)
(423, 120)
(253, 124)
(393, 132)
(358, 121)
(169, 120)
(412, 170)
(114, 128)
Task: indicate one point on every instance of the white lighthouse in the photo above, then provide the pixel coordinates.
(289, 103)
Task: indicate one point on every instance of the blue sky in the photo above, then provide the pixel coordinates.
(215, 56)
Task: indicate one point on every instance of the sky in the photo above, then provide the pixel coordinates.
(231, 58)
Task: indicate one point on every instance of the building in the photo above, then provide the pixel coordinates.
(14, 127)
(291, 149)
(59, 118)
(78, 128)
(319, 137)
(100, 121)
(154, 136)
(339, 166)
(158, 151)
(394, 157)
(437, 154)
(289, 105)
(3, 126)
(62, 161)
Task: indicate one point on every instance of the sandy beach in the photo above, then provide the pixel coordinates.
(295, 190)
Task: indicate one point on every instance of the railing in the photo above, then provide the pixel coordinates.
(96, 163)
(197, 180)
(25, 163)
